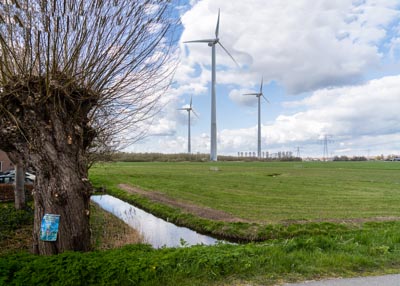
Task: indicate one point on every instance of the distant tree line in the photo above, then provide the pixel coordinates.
(203, 157)
(346, 158)
(182, 157)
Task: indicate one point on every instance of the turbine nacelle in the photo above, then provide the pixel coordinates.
(259, 94)
(189, 109)
(213, 42)
(216, 41)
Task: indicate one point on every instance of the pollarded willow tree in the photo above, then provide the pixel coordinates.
(74, 74)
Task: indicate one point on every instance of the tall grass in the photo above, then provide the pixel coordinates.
(109, 232)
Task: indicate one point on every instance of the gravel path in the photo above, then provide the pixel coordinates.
(386, 280)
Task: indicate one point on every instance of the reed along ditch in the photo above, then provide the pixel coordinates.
(157, 232)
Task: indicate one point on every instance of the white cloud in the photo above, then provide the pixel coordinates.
(302, 44)
(323, 47)
(240, 98)
(357, 113)
(162, 127)
(360, 118)
(372, 108)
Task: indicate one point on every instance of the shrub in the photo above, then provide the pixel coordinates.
(11, 219)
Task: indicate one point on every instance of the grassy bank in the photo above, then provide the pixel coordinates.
(109, 232)
(374, 249)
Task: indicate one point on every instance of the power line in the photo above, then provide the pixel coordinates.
(297, 150)
(327, 139)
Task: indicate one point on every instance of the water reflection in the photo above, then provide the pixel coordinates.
(156, 231)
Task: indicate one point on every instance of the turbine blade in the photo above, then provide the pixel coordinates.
(266, 99)
(217, 28)
(195, 113)
(229, 54)
(201, 41)
(190, 101)
(261, 86)
(251, 93)
(182, 109)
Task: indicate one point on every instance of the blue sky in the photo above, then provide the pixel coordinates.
(329, 67)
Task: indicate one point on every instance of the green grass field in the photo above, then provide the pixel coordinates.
(269, 192)
(260, 192)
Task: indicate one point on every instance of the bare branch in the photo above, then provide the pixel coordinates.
(103, 64)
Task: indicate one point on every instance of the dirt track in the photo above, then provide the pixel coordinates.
(200, 211)
(213, 214)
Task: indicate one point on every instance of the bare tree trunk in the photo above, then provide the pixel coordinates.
(19, 186)
(59, 137)
(19, 183)
(65, 192)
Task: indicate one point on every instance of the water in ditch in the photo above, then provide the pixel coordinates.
(156, 231)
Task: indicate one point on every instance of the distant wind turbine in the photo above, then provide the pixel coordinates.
(189, 109)
(259, 95)
(212, 43)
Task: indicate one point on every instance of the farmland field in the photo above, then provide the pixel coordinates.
(269, 192)
(266, 196)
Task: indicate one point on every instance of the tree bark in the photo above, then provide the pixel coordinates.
(65, 192)
(19, 183)
(56, 137)
(19, 186)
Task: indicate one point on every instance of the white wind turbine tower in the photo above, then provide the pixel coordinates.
(212, 43)
(189, 109)
(259, 95)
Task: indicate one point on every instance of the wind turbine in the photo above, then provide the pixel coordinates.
(189, 109)
(259, 95)
(212, 43)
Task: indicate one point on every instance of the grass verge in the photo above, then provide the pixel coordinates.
(374, 249)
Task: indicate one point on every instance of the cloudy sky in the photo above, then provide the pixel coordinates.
(329, 67)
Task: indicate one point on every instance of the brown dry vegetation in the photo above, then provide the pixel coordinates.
(110, 232)
(21, 240)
